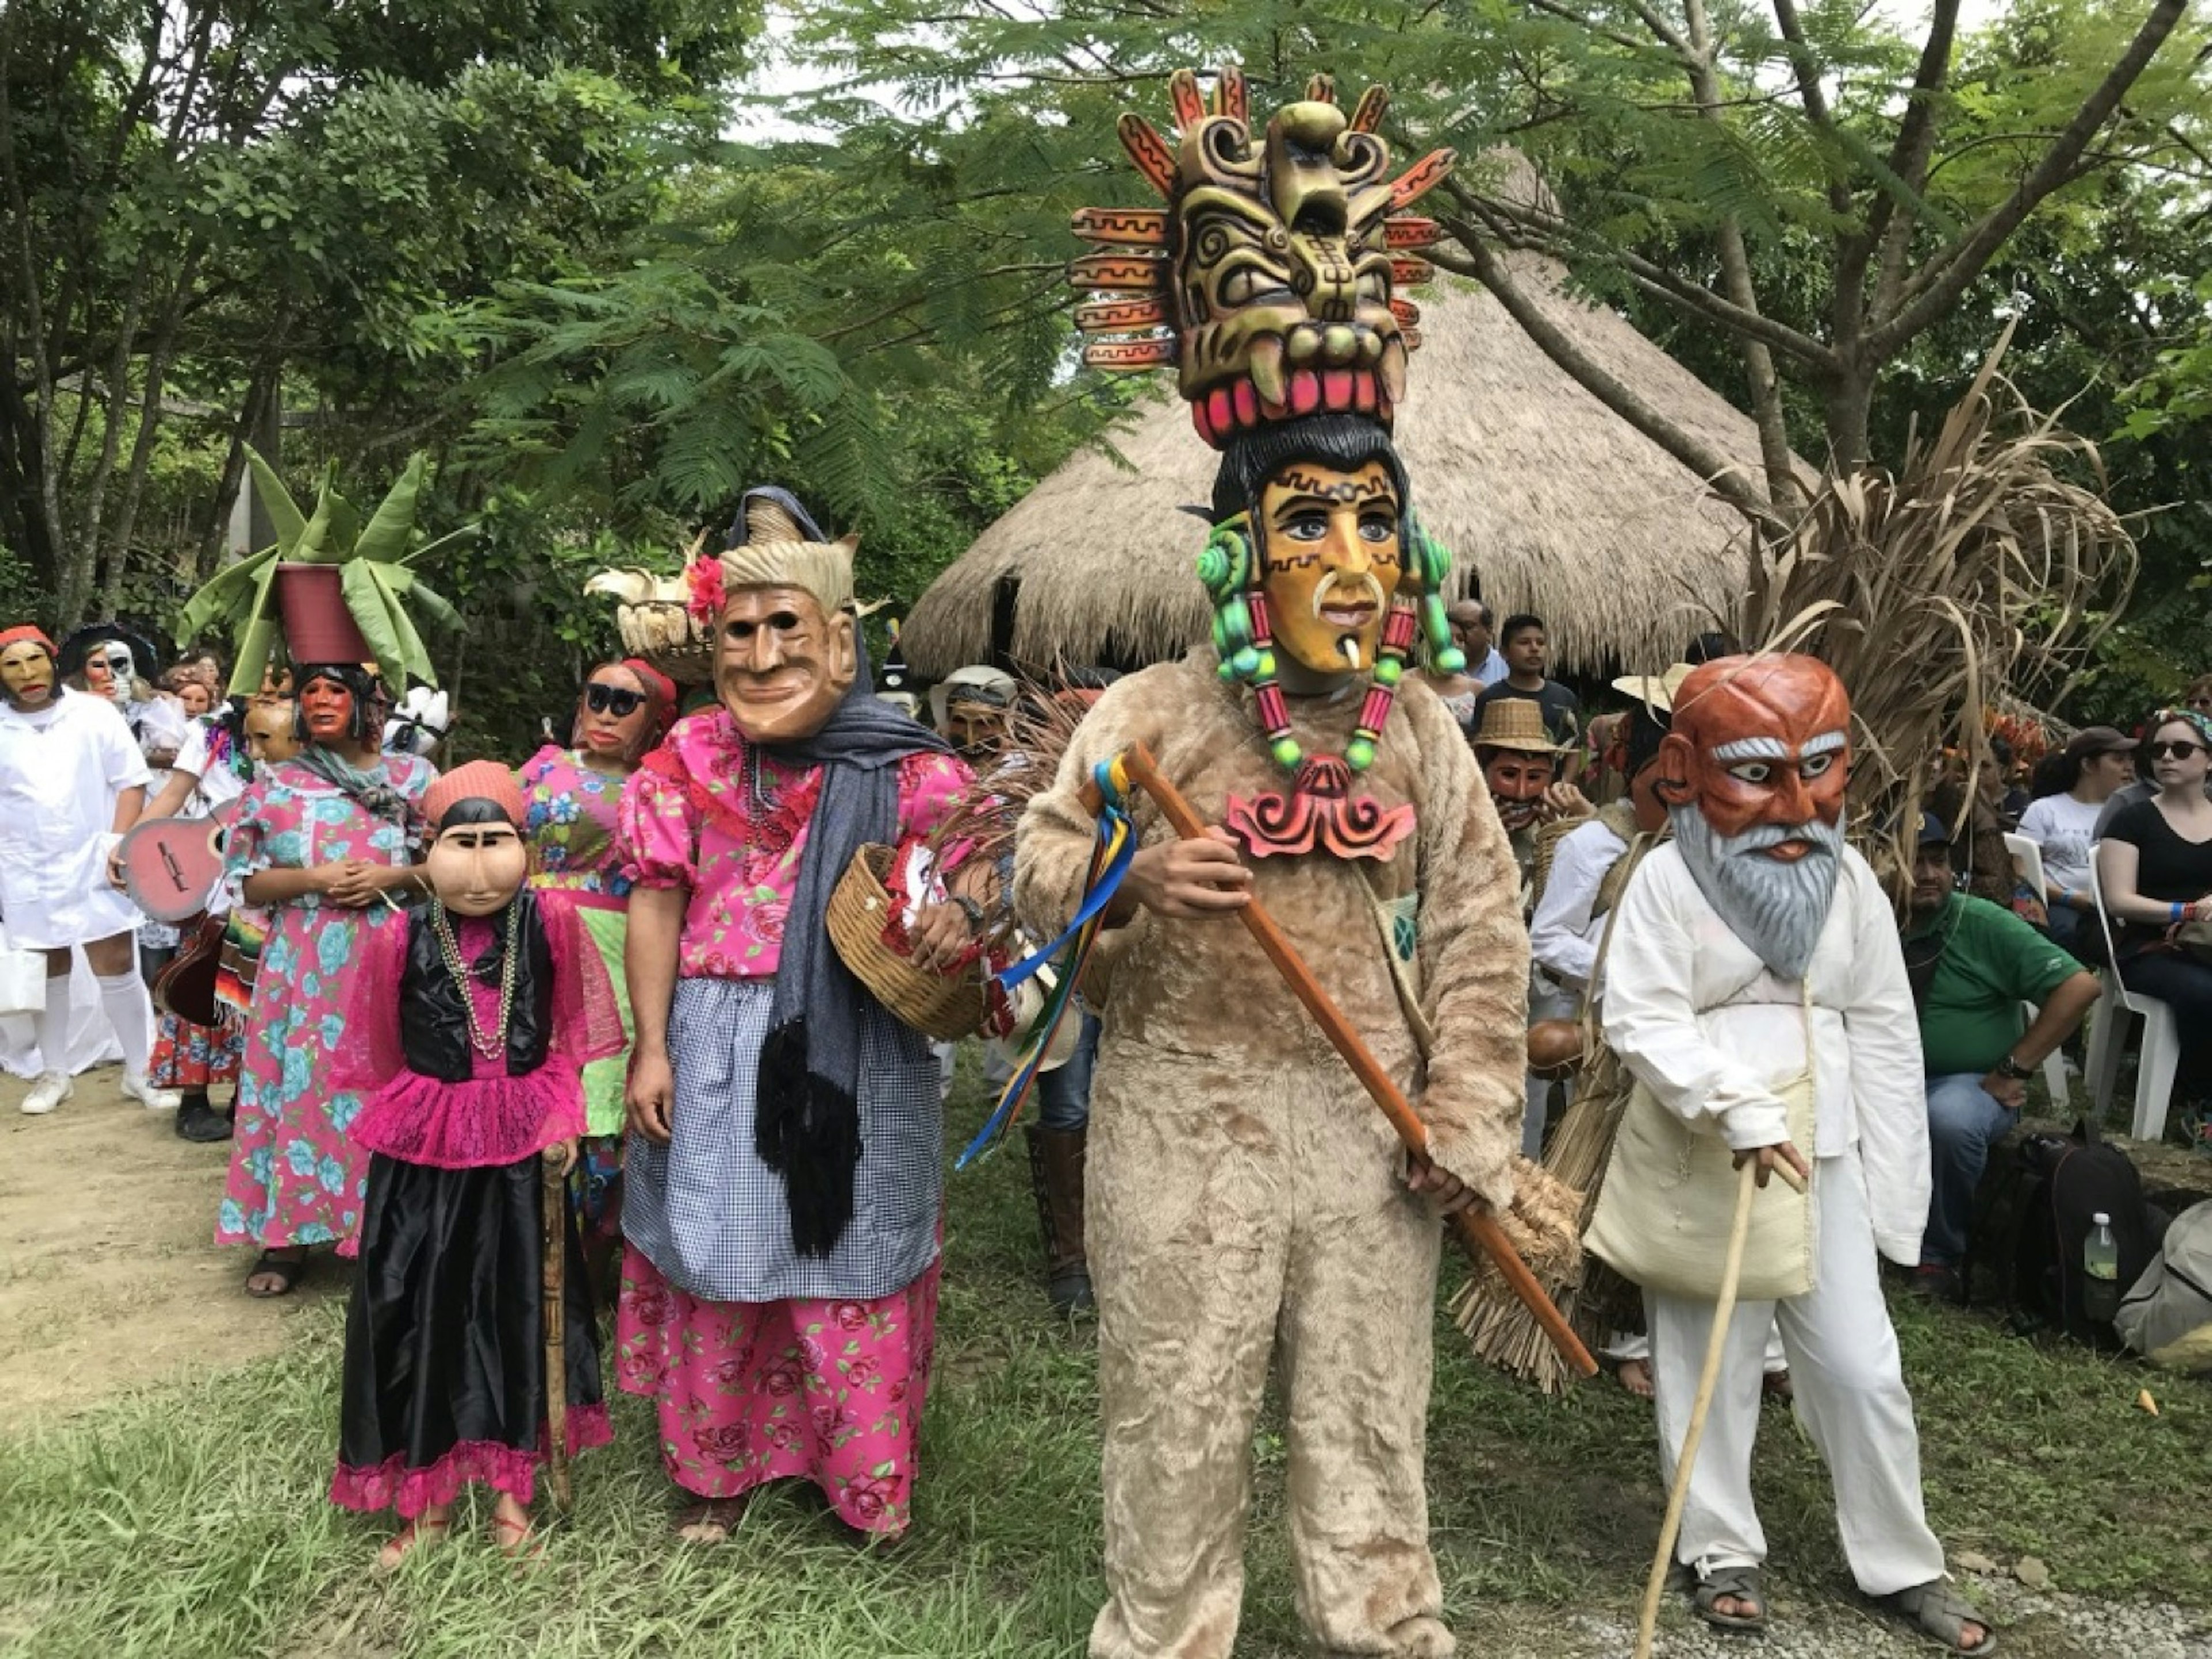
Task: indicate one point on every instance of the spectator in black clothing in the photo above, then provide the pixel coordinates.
(1522, 639)
(2154, 864)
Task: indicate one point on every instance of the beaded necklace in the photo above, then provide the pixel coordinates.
(491, 1046)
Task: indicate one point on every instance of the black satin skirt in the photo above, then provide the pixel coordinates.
(445, 1354)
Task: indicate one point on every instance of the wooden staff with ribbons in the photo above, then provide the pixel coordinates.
(1478, 1231)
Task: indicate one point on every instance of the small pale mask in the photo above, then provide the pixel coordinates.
(478, 862)
(26, 673)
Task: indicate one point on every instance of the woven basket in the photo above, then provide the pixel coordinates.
(651, 629)
(946, 1006)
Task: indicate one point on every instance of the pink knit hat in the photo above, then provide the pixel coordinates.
(480, 780)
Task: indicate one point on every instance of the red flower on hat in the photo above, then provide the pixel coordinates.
(704, 579)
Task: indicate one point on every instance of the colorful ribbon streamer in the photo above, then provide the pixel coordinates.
(1117, 845)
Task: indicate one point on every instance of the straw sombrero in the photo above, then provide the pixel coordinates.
(1516, 723)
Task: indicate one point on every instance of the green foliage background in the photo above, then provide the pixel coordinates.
(610, 264)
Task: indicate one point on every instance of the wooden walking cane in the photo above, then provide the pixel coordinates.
(552, 1287)
(1477, 1230)
(1747, 1184)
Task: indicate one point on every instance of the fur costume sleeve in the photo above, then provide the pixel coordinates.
(1473, 960)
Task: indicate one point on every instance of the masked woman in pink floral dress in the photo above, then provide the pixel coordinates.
(572, 798)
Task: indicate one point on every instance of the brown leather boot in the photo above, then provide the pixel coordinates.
(1056, 1174)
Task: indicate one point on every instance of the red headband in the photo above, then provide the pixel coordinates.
(37, 636)
(660, 688)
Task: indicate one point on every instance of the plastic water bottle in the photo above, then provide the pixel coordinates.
(2100, 1269)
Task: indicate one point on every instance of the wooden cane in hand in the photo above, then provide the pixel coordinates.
(1747, 1183)
(1478, 1231)
(552, 1286)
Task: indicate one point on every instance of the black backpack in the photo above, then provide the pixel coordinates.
(2066, 1180)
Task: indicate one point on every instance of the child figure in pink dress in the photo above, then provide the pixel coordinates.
(471, 1027)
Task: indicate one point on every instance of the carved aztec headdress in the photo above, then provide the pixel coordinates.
(1268, 279)
(1267, 282)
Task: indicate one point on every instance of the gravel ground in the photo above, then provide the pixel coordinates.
(2046, 1623)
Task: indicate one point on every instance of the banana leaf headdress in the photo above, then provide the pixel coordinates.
(1267, 281)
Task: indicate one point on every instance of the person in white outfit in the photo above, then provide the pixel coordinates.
(1755, 928)
(72, 780)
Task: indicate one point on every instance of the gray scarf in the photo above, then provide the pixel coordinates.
(806, 1124)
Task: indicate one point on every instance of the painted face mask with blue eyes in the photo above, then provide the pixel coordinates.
(1333, 558)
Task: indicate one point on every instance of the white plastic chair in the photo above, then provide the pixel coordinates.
(2027, 859)
(2161, 1043)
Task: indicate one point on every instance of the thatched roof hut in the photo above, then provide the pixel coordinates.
(1549, 502)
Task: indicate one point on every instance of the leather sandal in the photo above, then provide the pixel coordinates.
(1937, 1610)
(1742, 1583)
(286, 1270)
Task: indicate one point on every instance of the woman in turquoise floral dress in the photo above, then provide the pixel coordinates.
(322, 842)
(572, 796)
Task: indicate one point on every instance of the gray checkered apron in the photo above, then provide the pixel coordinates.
(712, 1217)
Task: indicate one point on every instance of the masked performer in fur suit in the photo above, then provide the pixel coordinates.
(1246, 1203)
(470, 1029)
(784, 1173)
(1754, 927)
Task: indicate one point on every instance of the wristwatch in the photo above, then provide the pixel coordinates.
(2011, 1069)
(970, 909)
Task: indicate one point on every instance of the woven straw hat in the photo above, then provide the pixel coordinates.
(779, 551)
(1514, 723)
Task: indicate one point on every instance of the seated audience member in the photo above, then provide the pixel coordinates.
(2155, 865)
(1524, 643)
(2063, 822)
(1972, 964)
(2143, 788)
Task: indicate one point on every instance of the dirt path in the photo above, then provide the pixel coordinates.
(109, 1279)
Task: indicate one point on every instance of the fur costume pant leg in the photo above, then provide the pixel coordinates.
(1851, 1396)
(1188, 1219)
(1358, 1314)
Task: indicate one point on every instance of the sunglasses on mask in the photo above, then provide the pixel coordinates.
(613, 700)
(2172, 751)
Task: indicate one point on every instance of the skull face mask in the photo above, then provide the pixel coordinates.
(1754, 774)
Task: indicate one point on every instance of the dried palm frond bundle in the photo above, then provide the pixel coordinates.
(1041, 723)
(1497, 1325)
(1980, 574)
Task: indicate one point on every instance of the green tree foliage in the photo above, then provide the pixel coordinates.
(201, 195)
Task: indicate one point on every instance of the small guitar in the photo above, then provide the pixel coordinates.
(170, 866)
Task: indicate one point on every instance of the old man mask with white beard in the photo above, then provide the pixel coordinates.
(1752, 774)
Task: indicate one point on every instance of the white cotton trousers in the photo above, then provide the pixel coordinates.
(1849, 1394)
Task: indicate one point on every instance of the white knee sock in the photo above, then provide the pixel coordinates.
(132, 1014)
(52, 1026)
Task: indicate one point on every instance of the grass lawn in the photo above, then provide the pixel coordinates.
(191, 1521)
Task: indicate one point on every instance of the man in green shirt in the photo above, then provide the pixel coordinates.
(1973, 963)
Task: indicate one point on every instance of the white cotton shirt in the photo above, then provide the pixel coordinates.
(61, 769)
(1563, 934)
(1701, 1022)
(2063, 829)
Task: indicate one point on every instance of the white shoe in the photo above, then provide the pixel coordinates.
(49, 1091)
(153, 1099)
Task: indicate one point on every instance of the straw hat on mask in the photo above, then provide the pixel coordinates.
(783, 549)
(1516, 723)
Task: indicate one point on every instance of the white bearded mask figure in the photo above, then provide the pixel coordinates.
(1752, 773)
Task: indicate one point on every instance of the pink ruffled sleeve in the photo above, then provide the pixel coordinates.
(659, 830)
(930, 786)
(369, 1055)
(586, 1020)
